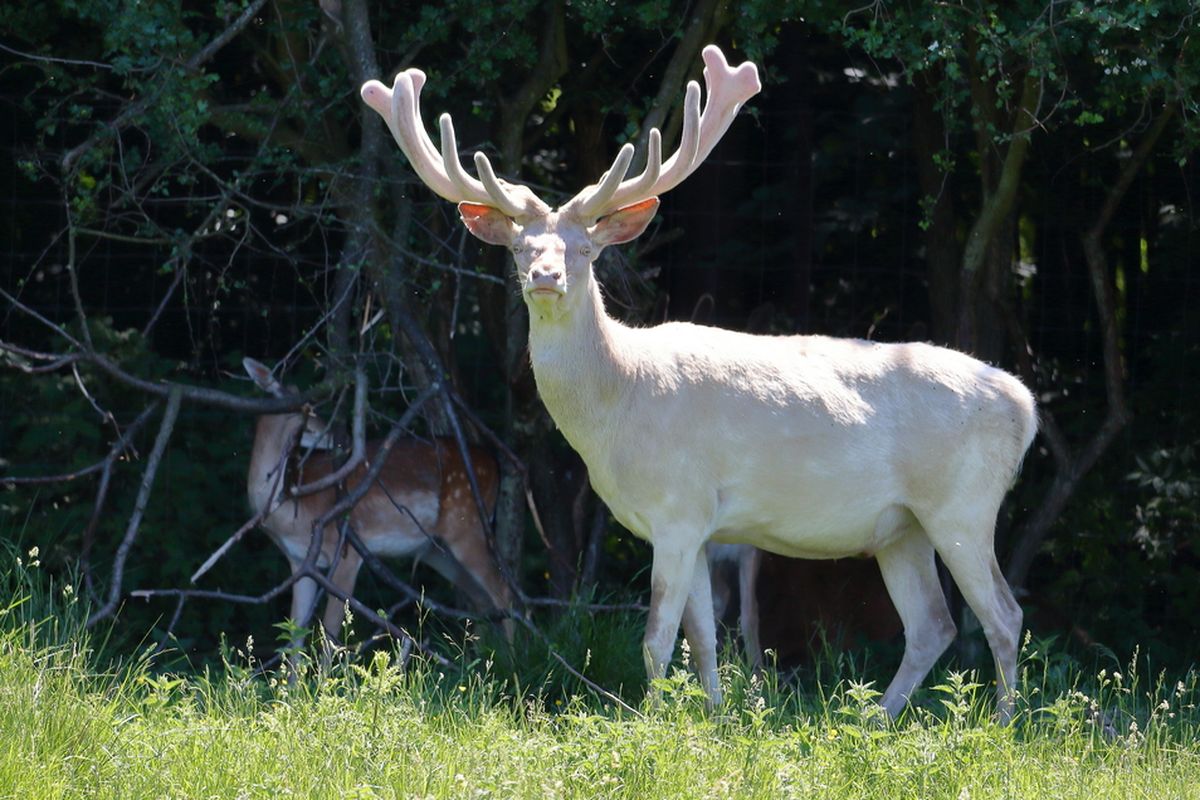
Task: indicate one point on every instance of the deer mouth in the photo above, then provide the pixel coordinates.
(544, 291)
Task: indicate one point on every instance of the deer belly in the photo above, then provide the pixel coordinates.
(396, 525)
(806, 522)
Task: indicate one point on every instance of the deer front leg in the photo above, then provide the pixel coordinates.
(344, 576)
(672, 577)
(304, 598)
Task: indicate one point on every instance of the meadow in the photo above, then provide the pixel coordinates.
(74, 723)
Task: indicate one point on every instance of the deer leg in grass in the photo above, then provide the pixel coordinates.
(910, 575)
(700, 628)
(672, 578)
(474, 557)
(304, 601)
(985, 590)
(748, 568)
(449, 566)
(344, 576)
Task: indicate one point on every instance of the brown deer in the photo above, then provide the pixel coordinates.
(420, 507)
(805, 446)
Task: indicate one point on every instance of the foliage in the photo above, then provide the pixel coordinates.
(215, 192)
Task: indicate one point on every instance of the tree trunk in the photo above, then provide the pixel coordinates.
(995, 211)
(521, 408)
(940, 232)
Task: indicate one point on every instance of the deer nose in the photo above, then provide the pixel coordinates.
(542, 274)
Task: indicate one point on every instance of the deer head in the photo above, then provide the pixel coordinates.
(314, 434)
(554, 248)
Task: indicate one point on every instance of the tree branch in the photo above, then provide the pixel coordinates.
(139, 508)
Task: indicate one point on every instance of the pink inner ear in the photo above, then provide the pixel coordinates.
(624, 224)
(487, 223)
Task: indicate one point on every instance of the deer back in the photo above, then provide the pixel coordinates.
(422, 491)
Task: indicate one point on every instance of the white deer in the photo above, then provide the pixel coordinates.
(806, 446)
(421, 506)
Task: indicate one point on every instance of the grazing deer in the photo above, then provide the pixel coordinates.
(421, 507)
(805, 446)
(745, 560)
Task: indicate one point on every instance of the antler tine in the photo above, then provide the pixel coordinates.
(472, 190)
(595, 199)
(687, 157)
(643, 184)
(728, 88)
(612, 192)
(493, 185)
(400, 111)
(441, 170)
(411, 97)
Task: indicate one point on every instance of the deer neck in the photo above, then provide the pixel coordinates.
(579, 365)
(265, 479)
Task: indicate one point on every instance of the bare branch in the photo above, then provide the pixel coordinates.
(139, 508)
(114, 452)
(263, 513)
(198, 394)
(75, 62)
(359, 447)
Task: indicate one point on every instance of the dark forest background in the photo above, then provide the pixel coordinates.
(185, 184)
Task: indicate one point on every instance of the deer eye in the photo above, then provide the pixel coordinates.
(585, 250)
(516, 249)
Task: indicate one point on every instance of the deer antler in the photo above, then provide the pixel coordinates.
(442, 171)
(728, 88)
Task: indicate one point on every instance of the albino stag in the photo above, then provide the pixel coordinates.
(421, 506)
(802, 445)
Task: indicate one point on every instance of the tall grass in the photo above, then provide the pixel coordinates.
(368, 728)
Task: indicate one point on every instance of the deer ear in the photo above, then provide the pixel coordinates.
(487, 223)
(262, 376)
(624, 224)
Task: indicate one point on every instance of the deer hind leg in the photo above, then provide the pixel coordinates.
(966, 548)
(700, 629)
(748, 567)
(908, 570)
